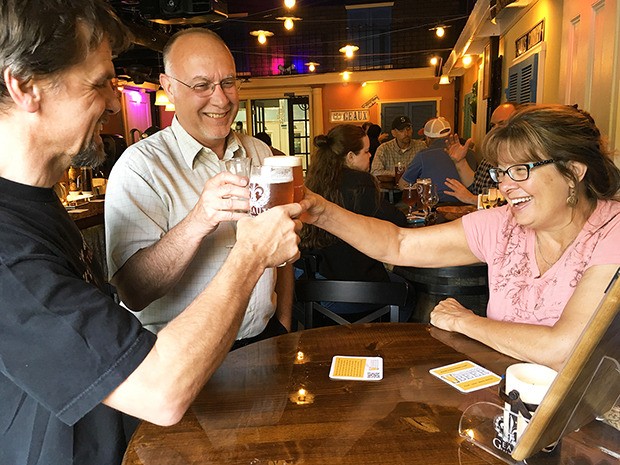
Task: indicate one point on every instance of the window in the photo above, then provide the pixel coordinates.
(369, 27)
(523, 80)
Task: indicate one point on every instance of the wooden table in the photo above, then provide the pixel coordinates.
(92, 216)
(250, 411)
(388, 186)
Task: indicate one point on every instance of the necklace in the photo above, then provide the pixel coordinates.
(550, 264)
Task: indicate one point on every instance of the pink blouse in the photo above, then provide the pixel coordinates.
(516, 291)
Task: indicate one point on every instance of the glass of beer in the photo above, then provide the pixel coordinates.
(298, 174)
(270, 186)
(238, 166)
(399, 170)
(410, 197)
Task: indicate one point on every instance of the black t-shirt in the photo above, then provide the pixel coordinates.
(340, 260)
(64, 343)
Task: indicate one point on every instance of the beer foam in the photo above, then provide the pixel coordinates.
(283, 160)
(273, 177)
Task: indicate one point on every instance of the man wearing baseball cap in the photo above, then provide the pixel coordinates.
(433, 162)
(400, 149)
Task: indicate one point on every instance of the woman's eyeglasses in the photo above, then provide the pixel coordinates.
(519, 172)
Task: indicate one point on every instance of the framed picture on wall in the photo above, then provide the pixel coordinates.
(486, 82)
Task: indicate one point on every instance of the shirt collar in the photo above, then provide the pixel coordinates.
(190, 148)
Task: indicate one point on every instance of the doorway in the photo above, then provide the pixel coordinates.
(285, 120)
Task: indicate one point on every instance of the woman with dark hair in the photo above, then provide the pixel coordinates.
(339, 172)
(551, 251)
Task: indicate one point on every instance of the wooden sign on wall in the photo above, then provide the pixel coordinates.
(349, 116)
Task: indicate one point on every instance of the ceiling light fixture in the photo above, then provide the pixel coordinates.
(348, 50)
(289, 21)
(169, 107)
(261, 35)
(433, 61)
(289, 3)
(312, 66)
(467, 60)
(440, 30)
(161, 98)
(346, 75)
(444, 79)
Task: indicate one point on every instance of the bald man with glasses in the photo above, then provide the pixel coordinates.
(479, 181)
(170, 219)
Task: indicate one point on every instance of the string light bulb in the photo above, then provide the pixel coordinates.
(467, 61)
(289, 3)
(440, 30)
(289, 21)
(434, 61)
(348, 50)
(261, 35)
(312, 66)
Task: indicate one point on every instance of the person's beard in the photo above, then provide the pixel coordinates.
(92, 155)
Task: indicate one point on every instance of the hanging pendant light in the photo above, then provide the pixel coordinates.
(161, 98)
(261, 35)
(348, 50)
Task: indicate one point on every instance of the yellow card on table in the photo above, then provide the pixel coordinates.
(356, 368)
(466, 376)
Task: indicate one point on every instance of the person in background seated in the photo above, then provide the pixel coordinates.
(373, 132)
(551, 251)
(339, 171)
(478, 181)
(433, 162)
(400, 149)
(267, 140)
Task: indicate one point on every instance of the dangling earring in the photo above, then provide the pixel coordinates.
(571, 200)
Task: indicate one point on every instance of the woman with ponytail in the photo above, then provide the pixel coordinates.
(339, 172)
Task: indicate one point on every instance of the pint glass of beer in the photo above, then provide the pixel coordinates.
(298, 175)
(270, 186)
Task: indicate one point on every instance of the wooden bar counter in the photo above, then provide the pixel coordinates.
(272, 403)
